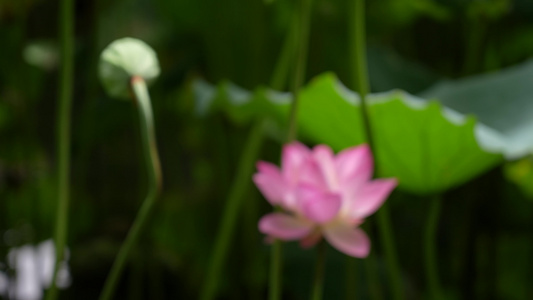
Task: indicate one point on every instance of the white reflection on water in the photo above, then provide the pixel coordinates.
(33, 266)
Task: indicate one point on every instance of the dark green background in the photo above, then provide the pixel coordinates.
(486, 230)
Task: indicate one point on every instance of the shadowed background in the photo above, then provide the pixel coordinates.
(486, 228)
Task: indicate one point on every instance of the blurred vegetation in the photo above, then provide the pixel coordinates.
(486, 230)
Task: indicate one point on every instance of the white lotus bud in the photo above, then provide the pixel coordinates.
(123, 59)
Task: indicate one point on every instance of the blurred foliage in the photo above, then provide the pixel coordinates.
(521, 173)
(487, 223)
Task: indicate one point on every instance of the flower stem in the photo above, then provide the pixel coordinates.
(239, 188)
(151, 160)
(301, 38)
(375, 289)
(351, 278)
(276, 265)
(320, 268)
(299, 68)
(432, 224)
(241, 182)
(358, 60)
(66, 36)
(360, 74)
(387, 241)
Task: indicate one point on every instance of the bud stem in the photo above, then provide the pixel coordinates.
(151, 160)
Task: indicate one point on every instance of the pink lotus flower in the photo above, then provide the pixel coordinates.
(322, 195)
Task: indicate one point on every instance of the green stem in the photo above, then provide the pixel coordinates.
(351, 278)
(360, 74)
(279, 77)
(320, 269)
(358, 60)
(474, 44)
(66, 33)
(276, 267)
(301, 44)
(432, 272)
(229, 218)
(241, 181)
(299, 70)
(387, 240)
(372, 273)
(136, 287)
(151, 160)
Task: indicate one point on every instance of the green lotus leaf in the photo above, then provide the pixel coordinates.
(502, 102)
(428, 147)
